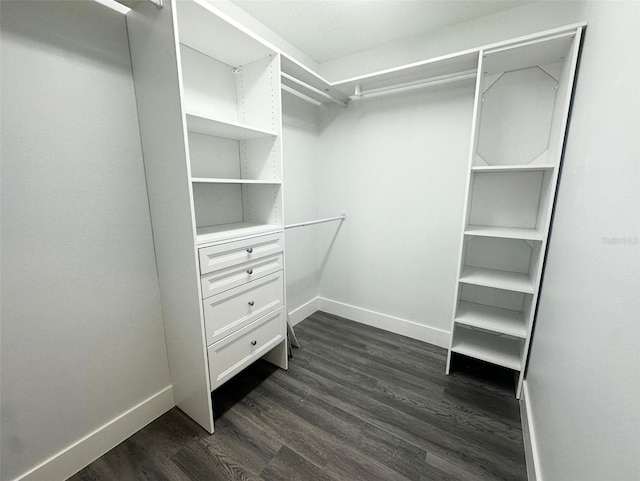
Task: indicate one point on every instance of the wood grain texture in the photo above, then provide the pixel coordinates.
(357, 403)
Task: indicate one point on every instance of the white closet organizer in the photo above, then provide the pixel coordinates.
(209, 105)
(522, 103)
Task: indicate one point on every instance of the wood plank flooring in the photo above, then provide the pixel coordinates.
(357, 404)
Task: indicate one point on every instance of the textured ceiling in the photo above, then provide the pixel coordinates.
(329, 29)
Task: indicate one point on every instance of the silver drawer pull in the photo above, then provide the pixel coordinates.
(250, 250)
(251, 303)
(253, 343)
(249, 271)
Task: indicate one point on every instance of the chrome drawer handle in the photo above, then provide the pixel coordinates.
(251, 303)
(249, 271)
(253, 343)
(250, 250)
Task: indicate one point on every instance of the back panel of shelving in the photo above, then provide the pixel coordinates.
(506, 199)
(489, 296)
(209, 85)
(215, 157)
(512, 255)
(217, 204)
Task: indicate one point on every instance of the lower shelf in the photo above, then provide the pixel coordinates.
(493, 319)
(487, 347)
(231, 231)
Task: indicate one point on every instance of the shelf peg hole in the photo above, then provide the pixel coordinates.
(253, 343)
(250, 250)
(249, 271)
(251, 303)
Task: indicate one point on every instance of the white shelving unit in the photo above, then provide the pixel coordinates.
(523, 94)
(209, 106)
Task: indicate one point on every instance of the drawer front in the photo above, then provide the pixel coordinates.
(231, 253)
(225, 279)
(235, 352)
(231, 310)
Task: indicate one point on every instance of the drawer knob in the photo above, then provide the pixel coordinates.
(250, 250)
(253, 343)
(251, 303)
(249, 271)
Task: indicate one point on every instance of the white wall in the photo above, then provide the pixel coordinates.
(82, 334)
(397, 165)
(582, 380)
(301, 197)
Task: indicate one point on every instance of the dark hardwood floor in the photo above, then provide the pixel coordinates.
(357, 403)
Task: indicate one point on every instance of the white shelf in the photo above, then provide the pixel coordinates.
(488, 347)
(230, 231)
(511, 168)
(226, 129)
(416, 72)
(210, 180)
(504, 232)
(314, 82)
(493, 319)
(511, 281)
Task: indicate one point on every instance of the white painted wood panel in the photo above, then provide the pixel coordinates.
(506, 199)
(228, 254)
(504, 232)
(493, 319)
(209, 85)
(223, 279)
(237, 230)
(227, 129)
(235, 352)
(498, 350)
(233, 309)
(512, 281)
(204, 30)
(157, 77)
(214, 156)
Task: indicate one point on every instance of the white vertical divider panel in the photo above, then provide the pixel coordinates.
(559, 125)
(155, 57)
(266, 97)
(467, 205)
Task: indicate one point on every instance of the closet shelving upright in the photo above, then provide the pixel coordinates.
(209, 108)
(523, 94)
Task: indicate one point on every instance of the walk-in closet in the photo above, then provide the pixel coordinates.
(319, 240)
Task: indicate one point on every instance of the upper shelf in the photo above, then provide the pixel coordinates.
(203, 28)
(308, 83)
(436, 68)
(228, 130)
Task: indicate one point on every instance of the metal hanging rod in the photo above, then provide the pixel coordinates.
(440, 80)
(299, 94)
(341, 217)
(311, 88)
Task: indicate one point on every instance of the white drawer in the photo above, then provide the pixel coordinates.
(225, 279)
(230, 253)
(230, 355)
(233, 309)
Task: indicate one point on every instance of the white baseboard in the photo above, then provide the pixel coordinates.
(528, 434)
(299, 314)
(438, 337)
(86, 450)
